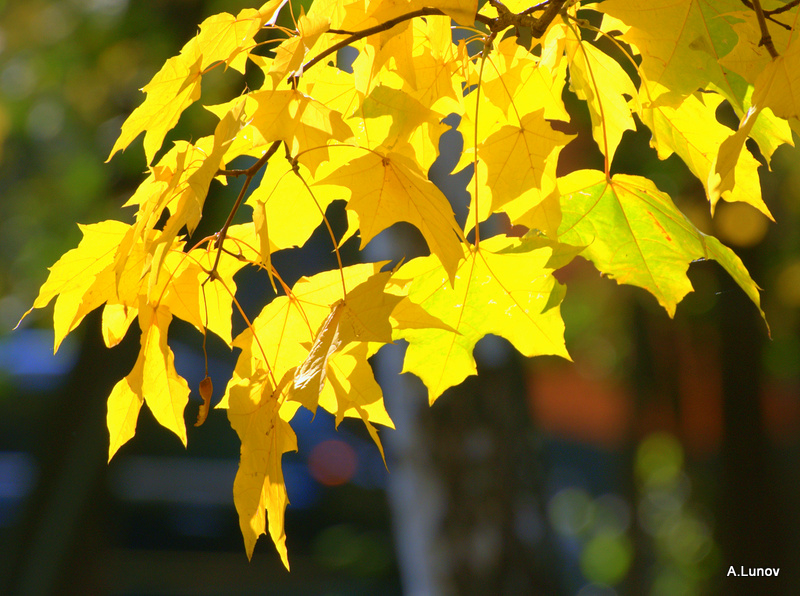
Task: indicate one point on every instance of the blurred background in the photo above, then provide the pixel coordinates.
(666, 453)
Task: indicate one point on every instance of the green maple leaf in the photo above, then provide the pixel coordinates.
(635, 234)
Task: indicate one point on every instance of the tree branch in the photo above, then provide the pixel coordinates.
(780, 9)
(355, 36)
(766, 38)
(538, 26)
(504, 20)
(250, 174)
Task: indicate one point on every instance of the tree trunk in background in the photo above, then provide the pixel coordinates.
(59, 543)
(466, 483)
(753, 522)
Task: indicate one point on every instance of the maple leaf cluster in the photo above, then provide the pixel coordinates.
(367, 134)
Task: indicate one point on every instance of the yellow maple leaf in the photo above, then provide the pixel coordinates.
(124, 404)
(285, 213)
(164, 391)
(488, 296)
(436, 81)
(515, 81)
(291, 53)
(343, 14)
(516, 156)
(179, 184)
(387, 118)
(521, 88)
(367, 307)
(633, 232)
(383, 54)
(536, 208)
(362, 316)
(116, 320)
(750, 57)
(203, 301)
(303, 123)
(386, 189)
(599, 80)
(331, 87)
(768, 131)
(176, 86)
(259, 489)
(74, 274)
(353, 392)
(778, 85)
(402, 115)
(681, 43)
(691, 130)
(280, 337)
(123, 286)
(173, 89)
(153, 381)
(409, 315)
(310, 376)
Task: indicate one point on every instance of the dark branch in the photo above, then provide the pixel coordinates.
(250, 174)
(780, 9)
(768, 14)
(766, 38)
(355, 36)
(504, 20)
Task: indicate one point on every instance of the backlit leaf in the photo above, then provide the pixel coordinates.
(692, 131)
(778, 85)
(516, 157)
(152, 381)
(634, 234)
(681, 43)
(74, 274)
(259, 491)
(177, 85)
(352, 391)
(310, 376)
(386, 189)
(487, 296)
(599, 80)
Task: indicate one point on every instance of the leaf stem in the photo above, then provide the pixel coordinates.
(599, 96)
(487, 45)
(296, 170)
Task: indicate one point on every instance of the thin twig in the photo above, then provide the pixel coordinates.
(296, 169)
(766, 38)
(249, 173)
(505, 19)
(768, 14)
(355, 36)
(780, 9)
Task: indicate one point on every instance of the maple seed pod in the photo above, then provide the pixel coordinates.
(206, 389)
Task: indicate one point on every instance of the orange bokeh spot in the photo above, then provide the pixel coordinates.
(332, 462)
